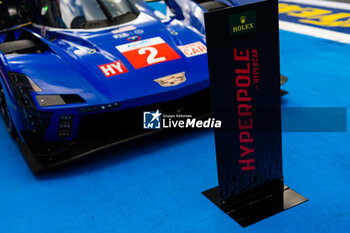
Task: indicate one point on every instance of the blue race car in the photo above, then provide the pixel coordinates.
(77, 78)
(78, 75)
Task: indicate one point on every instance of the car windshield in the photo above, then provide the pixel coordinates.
(83, 13)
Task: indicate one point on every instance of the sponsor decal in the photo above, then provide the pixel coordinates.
(171, 80)
(157, 120)
(128, 34)
(113, 69)
(148, 52)
(123, 29)
(133, 38)
(193, 49)
(121, 35)
(243, 22)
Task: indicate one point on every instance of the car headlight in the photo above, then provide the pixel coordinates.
(23, 86)
(55, 100)
(35, 122)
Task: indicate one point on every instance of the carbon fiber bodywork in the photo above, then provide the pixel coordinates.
(101, 131)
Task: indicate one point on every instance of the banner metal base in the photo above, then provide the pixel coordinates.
(257, 207)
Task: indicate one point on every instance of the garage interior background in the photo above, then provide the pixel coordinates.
(155, 184)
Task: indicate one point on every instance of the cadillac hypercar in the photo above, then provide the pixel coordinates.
(77, 75)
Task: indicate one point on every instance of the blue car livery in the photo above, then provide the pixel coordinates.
(81, 66)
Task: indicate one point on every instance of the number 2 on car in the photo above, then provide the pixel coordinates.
(148, 52)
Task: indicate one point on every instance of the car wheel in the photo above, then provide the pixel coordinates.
(6, 114)
(213, 5)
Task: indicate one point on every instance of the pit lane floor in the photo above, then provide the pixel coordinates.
(155, 184)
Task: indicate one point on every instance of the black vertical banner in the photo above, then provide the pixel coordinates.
(244, 68)
(245, 82)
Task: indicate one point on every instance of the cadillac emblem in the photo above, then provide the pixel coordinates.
(171, 80)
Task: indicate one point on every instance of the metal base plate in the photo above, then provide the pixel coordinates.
(257, 210)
